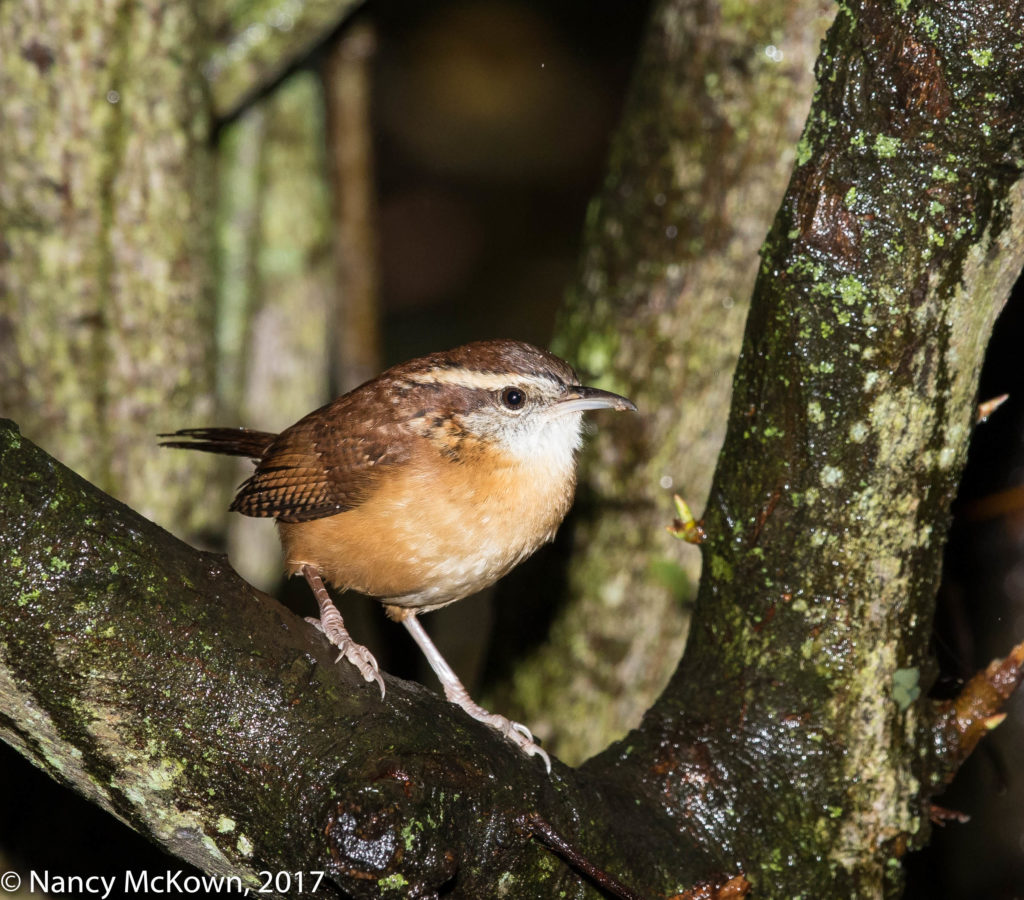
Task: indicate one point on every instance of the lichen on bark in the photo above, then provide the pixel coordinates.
(104, 207)
(696, 171)
(897, 243)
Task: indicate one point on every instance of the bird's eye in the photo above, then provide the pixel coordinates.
(513, 398)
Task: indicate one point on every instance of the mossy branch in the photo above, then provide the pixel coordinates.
(260, 42)
(151, 678)
(797, 731)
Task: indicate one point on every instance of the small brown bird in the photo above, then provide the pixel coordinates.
(421, 487)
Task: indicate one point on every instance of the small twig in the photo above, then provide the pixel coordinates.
(940, 815)
(978, 708)
(684, 526)
(1002, 503)
(990, 406)
(547, 835)
(734, 888)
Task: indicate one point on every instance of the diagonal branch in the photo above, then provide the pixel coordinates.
(151, 678)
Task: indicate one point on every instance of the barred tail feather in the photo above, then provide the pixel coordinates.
(229, 441)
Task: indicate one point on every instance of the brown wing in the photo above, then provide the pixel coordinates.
(325, 463)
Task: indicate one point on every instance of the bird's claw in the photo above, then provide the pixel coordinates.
(516, 733)
(355, 653)
(363, 660)
(513, 732)
(316, 623)
(521, 728)
(522, 737)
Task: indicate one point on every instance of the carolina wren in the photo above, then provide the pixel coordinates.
(421, 487)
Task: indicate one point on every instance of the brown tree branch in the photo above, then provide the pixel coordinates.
(258, 42)
(151, 678)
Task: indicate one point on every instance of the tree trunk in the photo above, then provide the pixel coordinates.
(277, 289)
(696, 173)
(347, 79)
(801, 704)
(105, 300)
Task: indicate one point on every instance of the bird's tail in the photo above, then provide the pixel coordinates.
(230, 441)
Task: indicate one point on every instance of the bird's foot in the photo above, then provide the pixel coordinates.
(355, 653)
(455, 691)
(514, 732)
(518, 734)
(333, 627)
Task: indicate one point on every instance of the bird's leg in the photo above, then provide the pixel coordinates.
(456, 692)
(333, 627)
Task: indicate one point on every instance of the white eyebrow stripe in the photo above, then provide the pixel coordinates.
(484, 381)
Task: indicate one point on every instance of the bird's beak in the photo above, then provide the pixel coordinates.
(580, 398)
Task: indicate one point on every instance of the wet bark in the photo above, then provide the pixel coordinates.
(800, 710)
(697, 170)
(201, 712)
